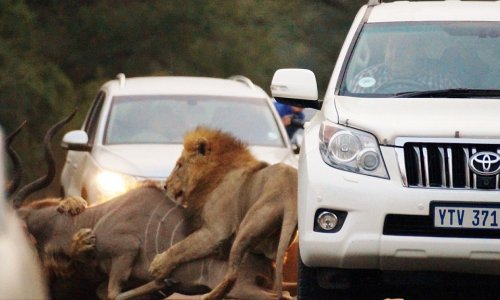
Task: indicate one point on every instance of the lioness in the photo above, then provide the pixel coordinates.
(230, 193)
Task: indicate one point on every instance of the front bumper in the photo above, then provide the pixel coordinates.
(368, 200)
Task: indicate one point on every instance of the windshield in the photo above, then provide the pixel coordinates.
(165, 119)
(395, 58)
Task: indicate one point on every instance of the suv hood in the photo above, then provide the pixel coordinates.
(157, 161)
(430, 117)
(148, 161)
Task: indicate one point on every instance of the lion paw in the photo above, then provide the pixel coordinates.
(72, 205)
(159, 267)
(83, 244)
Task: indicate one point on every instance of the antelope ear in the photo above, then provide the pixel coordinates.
(203, 146)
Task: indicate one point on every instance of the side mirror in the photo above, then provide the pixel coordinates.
(296, 87)
(76, 140)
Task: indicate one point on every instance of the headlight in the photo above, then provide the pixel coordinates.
(351, 150)
(112, 184)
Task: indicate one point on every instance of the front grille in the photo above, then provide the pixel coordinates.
(432, 164)
(411, 225)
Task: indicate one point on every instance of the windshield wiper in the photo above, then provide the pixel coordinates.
(452, 93)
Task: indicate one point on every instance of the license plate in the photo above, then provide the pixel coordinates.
(479, 216)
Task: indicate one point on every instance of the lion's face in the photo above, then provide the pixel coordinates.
(208, 156)
(177, 183)
(191, 171)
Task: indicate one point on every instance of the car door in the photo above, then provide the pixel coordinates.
(78, 162)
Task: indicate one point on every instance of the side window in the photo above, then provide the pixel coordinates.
(93, 117)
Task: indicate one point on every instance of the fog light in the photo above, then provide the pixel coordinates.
(368, 159)
(327, 220)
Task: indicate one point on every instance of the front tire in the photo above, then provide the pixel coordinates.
(339, 281)
(307, 283)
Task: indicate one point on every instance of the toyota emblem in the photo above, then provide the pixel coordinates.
(485, 163)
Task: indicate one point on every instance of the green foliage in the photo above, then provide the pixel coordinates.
(31, 86)
(55, 54)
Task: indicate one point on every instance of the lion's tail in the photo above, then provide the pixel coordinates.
(288, 229)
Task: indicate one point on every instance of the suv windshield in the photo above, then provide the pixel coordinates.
(426, 59)
(165, 119)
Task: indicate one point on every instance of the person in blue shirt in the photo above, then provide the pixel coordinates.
(291, 116)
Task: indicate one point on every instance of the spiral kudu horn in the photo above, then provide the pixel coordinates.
(45, 180)
(13, 184)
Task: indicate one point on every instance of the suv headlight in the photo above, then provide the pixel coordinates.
(351, 150)
(112, 184)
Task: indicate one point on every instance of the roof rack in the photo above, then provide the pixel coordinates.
(121, 79)
(374, 2)
(243, 79)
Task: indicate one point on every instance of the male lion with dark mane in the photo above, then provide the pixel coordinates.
(230, 194)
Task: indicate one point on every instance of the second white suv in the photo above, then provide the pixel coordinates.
(399, 171)
(135, 127)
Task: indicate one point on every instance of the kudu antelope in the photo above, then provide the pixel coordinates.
(124, 235)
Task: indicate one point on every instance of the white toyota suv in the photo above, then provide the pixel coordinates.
(135, 127)
(400, 168)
